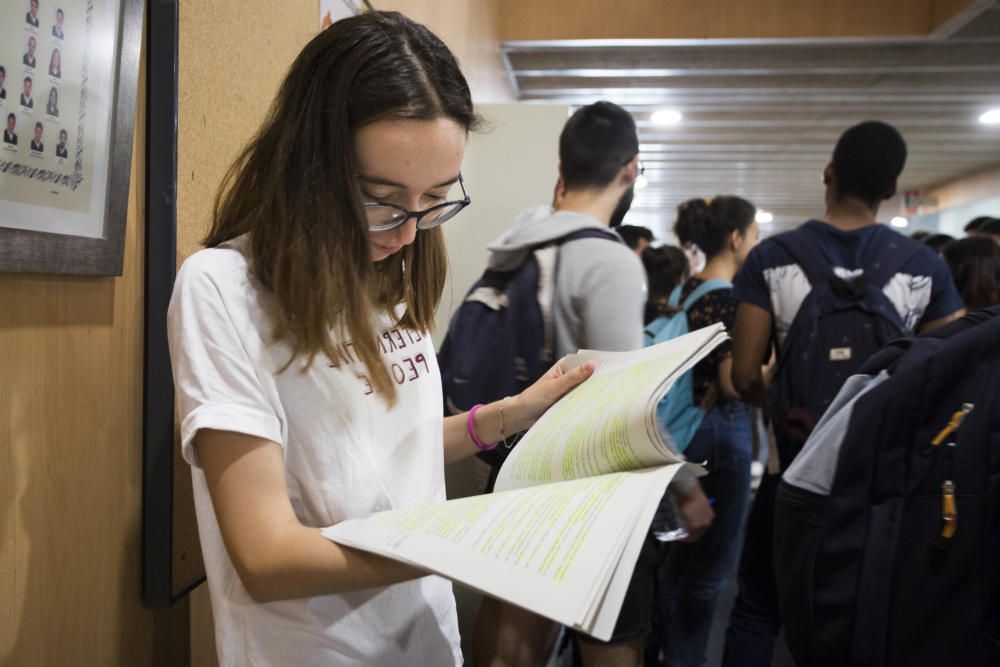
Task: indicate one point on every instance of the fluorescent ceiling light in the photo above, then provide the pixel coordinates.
(641, 182)
(899, 221)
(764, 217)
(666, 117)
(991, 117)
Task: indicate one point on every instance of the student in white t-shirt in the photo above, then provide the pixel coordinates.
(307, 384)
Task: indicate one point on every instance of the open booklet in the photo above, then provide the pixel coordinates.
(572, 504)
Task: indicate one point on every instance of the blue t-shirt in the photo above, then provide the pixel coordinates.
(922, 291)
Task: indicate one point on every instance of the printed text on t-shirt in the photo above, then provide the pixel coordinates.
(407, 369)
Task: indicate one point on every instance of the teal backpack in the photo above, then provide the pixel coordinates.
(677, 413)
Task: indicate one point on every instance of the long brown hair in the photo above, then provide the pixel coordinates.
(293, 189)
(975, 266)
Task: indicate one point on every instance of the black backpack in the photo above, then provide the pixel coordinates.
(501, 339)
(839, 325)
(887, 527)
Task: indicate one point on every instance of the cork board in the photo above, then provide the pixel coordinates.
(233, 56)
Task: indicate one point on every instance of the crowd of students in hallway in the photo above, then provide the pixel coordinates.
(327, 232)
(974, 264)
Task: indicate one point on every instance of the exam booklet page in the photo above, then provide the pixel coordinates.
(573, 502)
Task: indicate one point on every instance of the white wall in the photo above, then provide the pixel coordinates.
(953, 220)
(511, 166)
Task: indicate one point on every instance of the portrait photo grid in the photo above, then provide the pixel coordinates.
(43, 94)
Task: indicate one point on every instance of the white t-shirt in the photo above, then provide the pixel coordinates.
(346, 455)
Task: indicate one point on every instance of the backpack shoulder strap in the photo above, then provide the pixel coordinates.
(654, 328)
(806, 252)
(705, 288)
(589, 233)
(547, 257)
(890, 259)
(675, 296)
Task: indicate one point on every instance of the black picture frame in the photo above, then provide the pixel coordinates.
(160, 587)
(25, 251)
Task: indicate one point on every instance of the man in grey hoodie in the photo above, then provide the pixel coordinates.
(600, 286)
(598, 304)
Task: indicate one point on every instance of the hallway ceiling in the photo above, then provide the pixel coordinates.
(760, 117)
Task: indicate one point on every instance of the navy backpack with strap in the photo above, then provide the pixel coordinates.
(501, 339)
(887, 526)
(840, 324)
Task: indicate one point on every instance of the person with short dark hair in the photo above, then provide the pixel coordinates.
(57, 29)
(772, 287)
(36, 143)
(52, 106)
(55, 64)
(937, 242)
(9, 136)
(666, 267)
(973, 225)
(61, 146)
(29, 54)
(990, 228)
(637, 238)
(26, 100)
(3, 82)
(919, 235)
(31, 17)
(975, 266)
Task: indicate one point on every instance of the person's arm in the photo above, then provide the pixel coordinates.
(519, 412)
(946, 303)
(277, 557)
(612, 296)
(231, 428)
(934, 324)
(726, 386)
(751, 338)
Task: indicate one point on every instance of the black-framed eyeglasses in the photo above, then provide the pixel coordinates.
(383, 217)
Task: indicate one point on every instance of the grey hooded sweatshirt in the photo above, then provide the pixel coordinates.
(600, 291)
(600, 286)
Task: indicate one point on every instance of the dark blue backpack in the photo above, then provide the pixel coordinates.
(887, 526)
(501, 339)
(840, 324)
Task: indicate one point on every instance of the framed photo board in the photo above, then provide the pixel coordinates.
(68, 74)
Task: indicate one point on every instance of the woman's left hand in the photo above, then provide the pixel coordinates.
(539, 397)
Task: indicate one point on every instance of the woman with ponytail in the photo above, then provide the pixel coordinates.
(693, 575)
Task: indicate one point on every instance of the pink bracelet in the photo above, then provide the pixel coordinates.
(483, 447)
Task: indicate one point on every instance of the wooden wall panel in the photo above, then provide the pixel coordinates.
(471, 30)
(968, 189)
(944, 10)
(688, 19)
(70, 463)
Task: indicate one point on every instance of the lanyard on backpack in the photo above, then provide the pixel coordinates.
(949, 509)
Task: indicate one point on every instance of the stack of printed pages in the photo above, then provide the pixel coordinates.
(573, 502)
